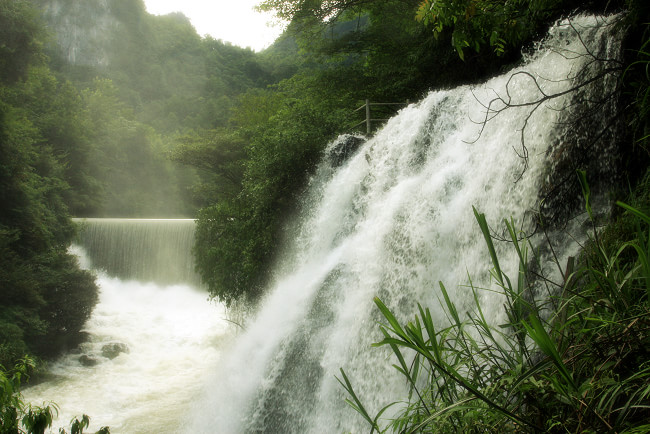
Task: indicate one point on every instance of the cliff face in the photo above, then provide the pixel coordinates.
(82, 30)
(90, 32)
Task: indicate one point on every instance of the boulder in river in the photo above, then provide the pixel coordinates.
(87, 360)
(114, 349)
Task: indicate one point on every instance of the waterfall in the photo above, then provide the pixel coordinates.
(392, 221)
(157, 250)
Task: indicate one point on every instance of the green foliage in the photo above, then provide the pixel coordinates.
(19, 33)
(218, 156)
(320, 9)
(576, 362)
(19, 417)
(44, 296)
(238, 235)
(56, 110)
(345, 43)
(129, 161)
(486, 23)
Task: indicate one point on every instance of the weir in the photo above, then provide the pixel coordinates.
(156, 250)
(393, 221)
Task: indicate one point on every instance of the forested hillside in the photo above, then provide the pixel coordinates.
(44, 297)
(146, 82)
(95, 99)
(388, 51)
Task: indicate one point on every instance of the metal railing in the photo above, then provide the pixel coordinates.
(369, 119)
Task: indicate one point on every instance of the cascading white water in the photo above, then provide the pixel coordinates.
(149, 343)
(391, 222)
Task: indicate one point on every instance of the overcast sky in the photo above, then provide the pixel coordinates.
(233, 21)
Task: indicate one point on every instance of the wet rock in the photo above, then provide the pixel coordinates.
(114, 349)
(343, 148)
(87, 360)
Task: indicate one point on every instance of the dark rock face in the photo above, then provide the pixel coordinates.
(112, 350)
(590, 140)
(344, 147)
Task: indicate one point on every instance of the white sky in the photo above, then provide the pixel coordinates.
(232, 21)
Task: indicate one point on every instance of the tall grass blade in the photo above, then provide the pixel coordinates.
(634, 211)
(586, 192)
(357, 405)
(482, 222)
(538, 334)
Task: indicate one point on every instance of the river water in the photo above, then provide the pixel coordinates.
(172, 333)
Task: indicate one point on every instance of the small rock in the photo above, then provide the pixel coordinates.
(87, 360)
(112, 350)
(343, 148)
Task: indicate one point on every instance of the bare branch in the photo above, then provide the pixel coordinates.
(596, 69)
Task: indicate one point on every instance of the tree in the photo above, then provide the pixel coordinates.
(321, 10)
(20, 44)
(36, 272)
(486, 23)
(218, 156)
(284, 132)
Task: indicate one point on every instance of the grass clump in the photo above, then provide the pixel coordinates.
(577, 361)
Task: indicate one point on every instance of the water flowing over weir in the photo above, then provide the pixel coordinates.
(392, 221)
(156, 250)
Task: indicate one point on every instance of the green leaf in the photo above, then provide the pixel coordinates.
(538, 334)
(586, 192)
(356, 403)
(482, 222)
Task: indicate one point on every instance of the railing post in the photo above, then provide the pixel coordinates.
(368, 116)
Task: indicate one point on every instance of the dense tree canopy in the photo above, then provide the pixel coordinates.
(18, 47)
(44, 297)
